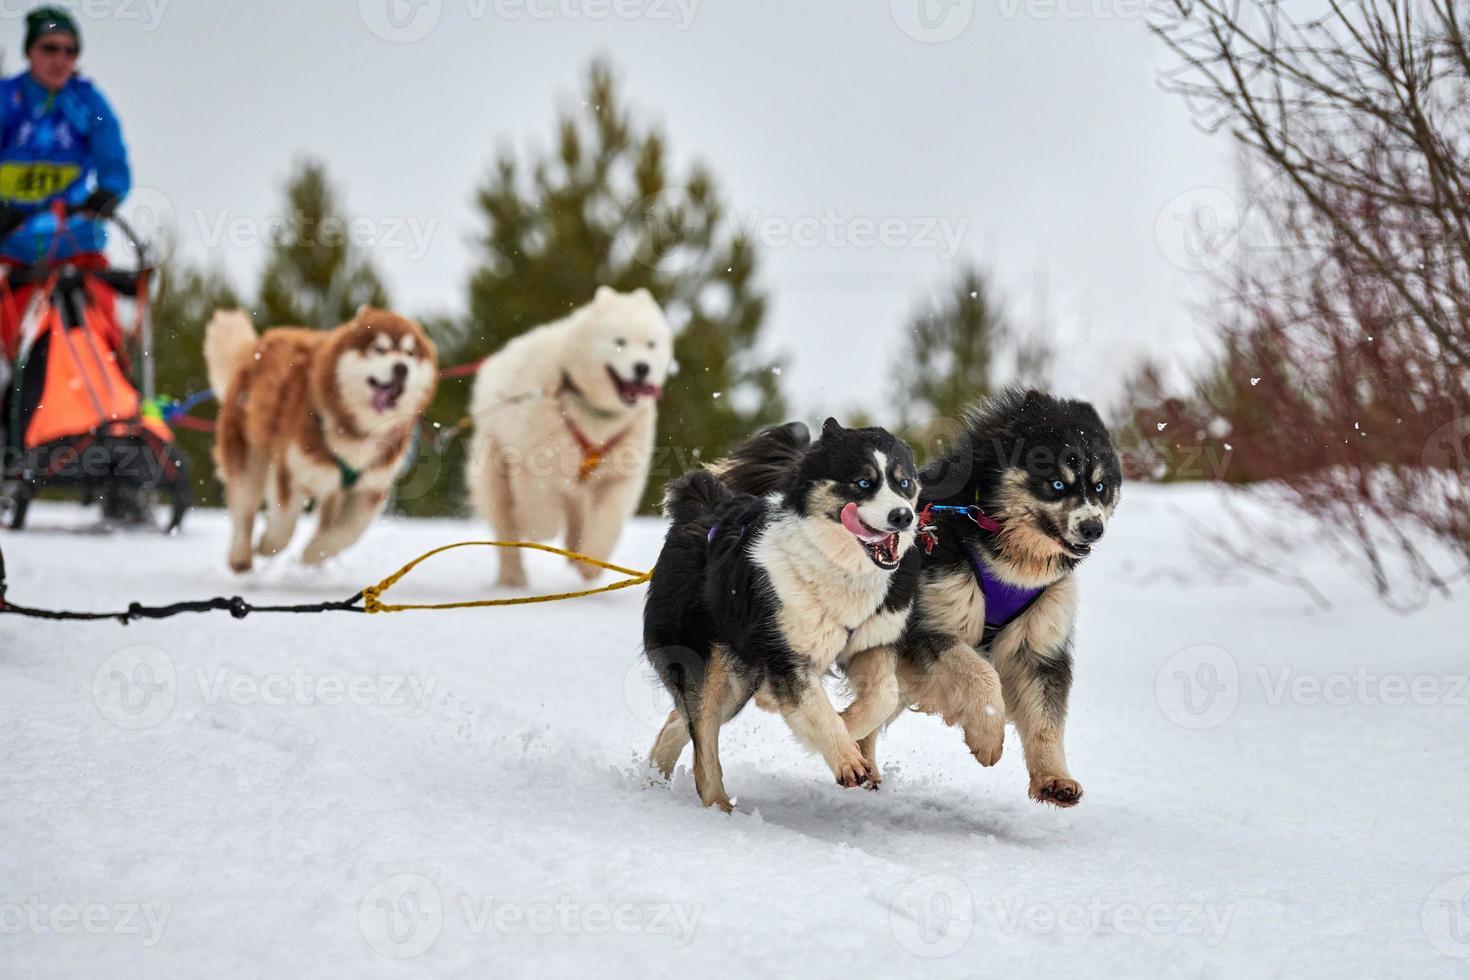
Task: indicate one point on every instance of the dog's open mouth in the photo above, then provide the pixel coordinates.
(630, 391)
(1075, 550)
(386, 393)
(881, 546)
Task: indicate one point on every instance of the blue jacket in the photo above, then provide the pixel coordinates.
(64, 146)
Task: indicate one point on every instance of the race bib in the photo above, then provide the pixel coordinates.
(31, 183)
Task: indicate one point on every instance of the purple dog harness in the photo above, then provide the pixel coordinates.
(1003, 601)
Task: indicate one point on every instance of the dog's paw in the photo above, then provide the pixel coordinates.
(986, 742)
(268, 548)
(316, 552)
(240, 560)
(721, 802)
(1062, 791)
(588, 572)
(988, 754)
(511, 580)
(853, 770)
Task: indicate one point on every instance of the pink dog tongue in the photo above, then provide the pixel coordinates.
(380, 399)
(853, 523)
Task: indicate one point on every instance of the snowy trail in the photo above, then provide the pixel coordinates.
(464, 790)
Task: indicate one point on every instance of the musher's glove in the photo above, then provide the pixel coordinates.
(99, 202)
(11, 218)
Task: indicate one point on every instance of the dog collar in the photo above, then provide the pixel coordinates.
(929, 531)
(567, 387)
(973, 512)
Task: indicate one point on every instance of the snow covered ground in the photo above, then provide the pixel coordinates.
(1270, 789)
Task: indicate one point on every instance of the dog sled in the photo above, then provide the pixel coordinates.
(70, 415)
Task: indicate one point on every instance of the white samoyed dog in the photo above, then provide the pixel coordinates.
(564, 424)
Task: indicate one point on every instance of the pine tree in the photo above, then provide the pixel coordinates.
(604, 209)
(185, 299)
(314, 276)
(961, 348)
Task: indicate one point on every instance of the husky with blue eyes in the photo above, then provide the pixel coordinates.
(757, 597)
(1006, 517)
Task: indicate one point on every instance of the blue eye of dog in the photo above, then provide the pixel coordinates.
(1058, 485)
(864, 484)
(904, 484)
(1099, 488)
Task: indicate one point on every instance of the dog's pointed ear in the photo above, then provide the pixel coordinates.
(362, 311)
(603, 294)
(1035, 404)
(831, 427)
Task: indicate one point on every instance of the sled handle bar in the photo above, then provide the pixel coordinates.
(119, 280)
(25, 274)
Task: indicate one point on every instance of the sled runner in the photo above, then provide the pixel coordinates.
(70, 415)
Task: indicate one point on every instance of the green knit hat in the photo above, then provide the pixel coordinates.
(50, 20)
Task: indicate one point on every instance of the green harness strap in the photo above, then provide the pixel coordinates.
(348, 475)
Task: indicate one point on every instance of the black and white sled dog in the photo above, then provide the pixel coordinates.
(758, 596)
(1018, 504)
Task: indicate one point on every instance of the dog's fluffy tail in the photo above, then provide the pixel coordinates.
(693, 496)
(766, 463)
(228, 340)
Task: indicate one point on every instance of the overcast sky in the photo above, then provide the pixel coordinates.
(1027, 135)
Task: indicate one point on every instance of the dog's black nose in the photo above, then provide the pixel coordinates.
(1090, 530)
(640, 370)
(400, 371)
(900, 518)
